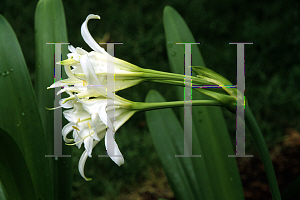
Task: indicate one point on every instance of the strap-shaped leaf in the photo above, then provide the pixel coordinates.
(167, 136)
(50, 27)
(3, 194)
(19, 113)
(210, 135)
(14, 173)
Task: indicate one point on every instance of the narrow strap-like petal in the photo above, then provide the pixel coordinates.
(66, 130)
(71, 48)
(56, 84)
(82, 161)
(88, 70)
(112, 148)
(88, 145)
(68, 104)
(87, 36)
(103, 116)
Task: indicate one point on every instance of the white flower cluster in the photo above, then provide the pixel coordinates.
(88, 103)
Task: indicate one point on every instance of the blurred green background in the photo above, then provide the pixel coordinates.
(272, 73)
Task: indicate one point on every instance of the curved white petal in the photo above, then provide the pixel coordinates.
(81, 165)
(98, 125)
(68, 104)
(96, 88)
(103, 116)
(112, 148)
(77, 138)
(69, 115)
(56, 84)
(70, 74)
(87, 36)
(92, 105)
(66, 130)
(122, 118)
(72, 48)
(88, 70)
(81, 51)
(82, 162)
(88, 145)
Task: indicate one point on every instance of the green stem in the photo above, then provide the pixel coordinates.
(140, 106)
(263, 151)
(173, 78)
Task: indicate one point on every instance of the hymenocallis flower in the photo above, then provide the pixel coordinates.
(126, 74)
(102, 64)
(90, 124)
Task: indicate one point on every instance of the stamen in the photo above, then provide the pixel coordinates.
(81, 139)
(89, 125)
(53, 108)
(75, 128)
(85, 83)
(82, 120)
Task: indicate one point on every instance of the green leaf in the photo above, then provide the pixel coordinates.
(167, 136)
(210, 135)
(3, 194)
(292, 191)
(50, 27)
(14, 173)
(19, 113)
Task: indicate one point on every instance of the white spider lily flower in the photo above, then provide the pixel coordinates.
(98, 108)
(89, 122)
(126, 74)
(82, 126)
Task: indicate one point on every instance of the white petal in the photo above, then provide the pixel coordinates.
(88, 145)
(95, 136)
(112, 148)
(68, 104)
(70, 74)
(122, 118)
(103, 116)
(66, 130)
(71, 48)
(91, 77)
(77, 138)
(69, 115)
(81, 165)
(92, 105)
(88, 70)
(82, 162)
(98, 125)
(81, 51)
(56, 84)
(87, 36)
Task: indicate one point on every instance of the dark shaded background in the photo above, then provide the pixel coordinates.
(272, 74)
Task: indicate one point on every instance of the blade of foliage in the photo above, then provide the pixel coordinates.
(19, 113)
(50, 27)
(292, 191)
(167, 136)
(14, 173)
(3, 194)
(210, 135)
